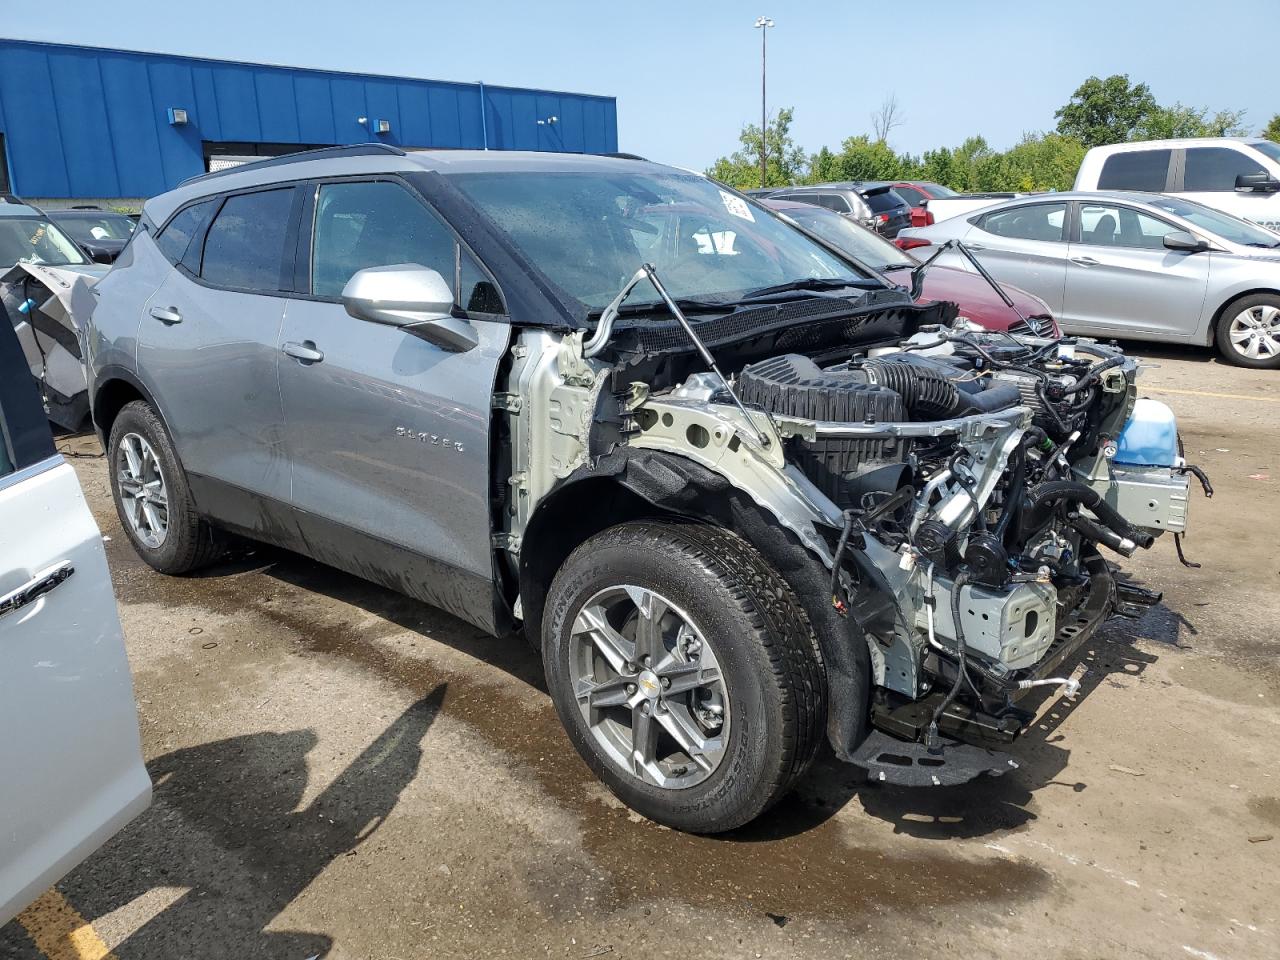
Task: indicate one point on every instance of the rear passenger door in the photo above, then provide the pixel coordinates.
(1026, 246)
(71, 770)
(1122, 281)
(388, 434)
(208, 349)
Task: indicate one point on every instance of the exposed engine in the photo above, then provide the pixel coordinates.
(977, 479)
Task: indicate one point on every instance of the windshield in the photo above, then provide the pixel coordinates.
(846, 236)
(937, 190)
(1229, 228)
(88, 228)
(33, 240)
(589, 232)
(1267, 149)
(884, 202)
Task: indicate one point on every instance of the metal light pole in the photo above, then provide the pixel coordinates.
(763, 24)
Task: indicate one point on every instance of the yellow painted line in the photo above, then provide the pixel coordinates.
(60, 933)
(1205, 393)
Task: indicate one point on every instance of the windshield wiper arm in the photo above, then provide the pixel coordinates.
(807, 283)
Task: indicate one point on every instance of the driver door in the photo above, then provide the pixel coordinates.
(388, 434)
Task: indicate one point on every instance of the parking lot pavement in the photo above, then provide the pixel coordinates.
(342, 771)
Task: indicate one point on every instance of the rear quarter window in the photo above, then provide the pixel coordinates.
(1135, 170)
(175, 238)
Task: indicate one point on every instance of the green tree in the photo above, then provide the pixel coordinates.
(860, 158)
(1106, 111)
(1040, 161)
(1165, 123)
(1272, 131)
(784, 162)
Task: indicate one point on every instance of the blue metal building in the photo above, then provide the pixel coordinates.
(81, 123)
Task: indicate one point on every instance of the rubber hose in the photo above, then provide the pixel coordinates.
(925, 393)
(1043, 495)
(1013, 499)
(961, 579)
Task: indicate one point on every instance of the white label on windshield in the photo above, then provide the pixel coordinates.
(736, 206)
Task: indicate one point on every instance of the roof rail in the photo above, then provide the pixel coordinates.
(625, 156)
(323, 153)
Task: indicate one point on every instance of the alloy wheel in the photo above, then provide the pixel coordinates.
(143, 494)
(1255, 332)
(649, 687)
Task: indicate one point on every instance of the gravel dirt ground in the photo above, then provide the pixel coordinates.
(344, 772)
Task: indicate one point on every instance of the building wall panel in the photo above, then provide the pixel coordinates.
(82, 122)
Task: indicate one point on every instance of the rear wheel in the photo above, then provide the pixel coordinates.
(152, 497)
(684, 671)
(1249, 331)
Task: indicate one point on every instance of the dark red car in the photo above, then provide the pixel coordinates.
(916, 192)
(969, 291)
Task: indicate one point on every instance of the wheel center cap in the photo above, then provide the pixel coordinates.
(649, 684)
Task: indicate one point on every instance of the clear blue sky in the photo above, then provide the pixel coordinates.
(687, 74)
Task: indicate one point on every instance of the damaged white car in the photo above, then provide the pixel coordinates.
(741, 493)
(44, 287)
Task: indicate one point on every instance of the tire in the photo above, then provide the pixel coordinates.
(1258, 317)
(188, 542)
(720, 597)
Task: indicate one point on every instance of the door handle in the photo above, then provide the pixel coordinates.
(1084, 261)
(305, 351)
(36, 587)
(169, 315)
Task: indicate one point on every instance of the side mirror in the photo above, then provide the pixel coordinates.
(1185, 242)
(412, 297)
(1257, 183)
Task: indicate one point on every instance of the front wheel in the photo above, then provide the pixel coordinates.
(1249, 332)
(684, 672)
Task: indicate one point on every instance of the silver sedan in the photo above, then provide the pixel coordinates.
(1138, 265)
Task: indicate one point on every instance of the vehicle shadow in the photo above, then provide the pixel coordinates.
(509, 653)
(226, 825)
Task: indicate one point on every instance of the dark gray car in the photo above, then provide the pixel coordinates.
(636, 415)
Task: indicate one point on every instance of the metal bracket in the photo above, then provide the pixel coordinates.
(505, 541)
(509, 402)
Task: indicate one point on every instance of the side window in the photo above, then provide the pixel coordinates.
(1135, 170)
(1040, 221)
(244, 248)
(1111, 225)
(1216, 168)
(175, 238)
(375, 224)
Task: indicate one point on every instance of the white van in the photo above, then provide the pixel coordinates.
(1238, 175)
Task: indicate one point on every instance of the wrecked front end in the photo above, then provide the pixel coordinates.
(942, 498)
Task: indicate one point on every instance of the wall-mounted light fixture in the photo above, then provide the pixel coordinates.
(384, 126)
(549, 121)
(177, 116)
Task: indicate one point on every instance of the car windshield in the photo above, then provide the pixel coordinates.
(937, 190)
(1267, 149)
(884, 201)
(846, 236)
(35, 240)
(1229, 228)
(589, 232)
(88, 228)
